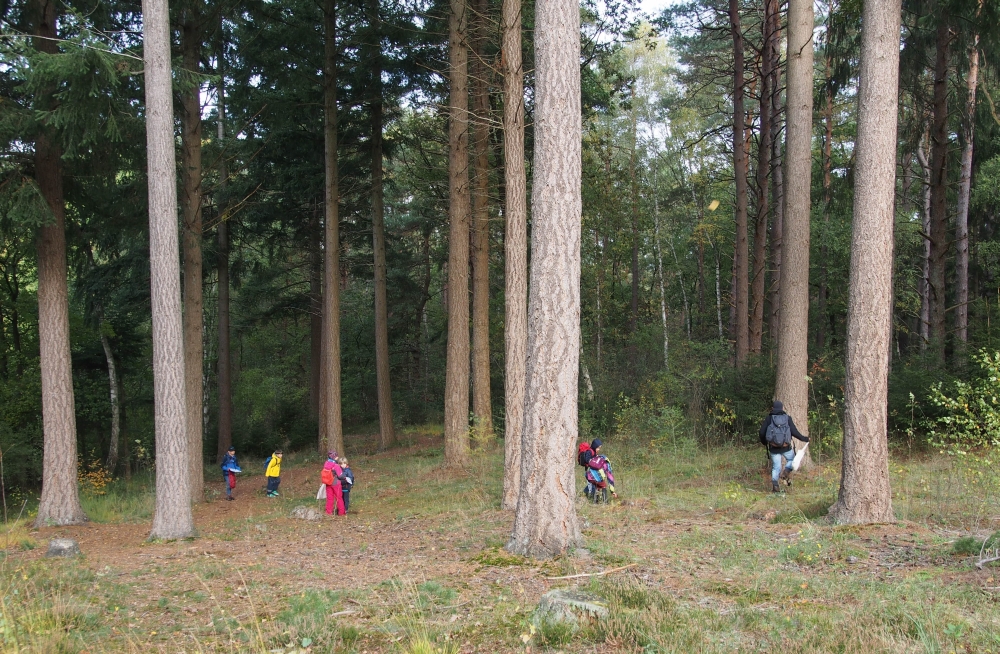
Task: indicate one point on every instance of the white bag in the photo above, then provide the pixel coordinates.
(321, 493)
(801, 454)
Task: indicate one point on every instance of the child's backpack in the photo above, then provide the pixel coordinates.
(597, 472)
(779, 434)
(267, 463)
(584, 448)
(326, 477)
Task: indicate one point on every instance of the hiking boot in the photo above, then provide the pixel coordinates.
(774, 487)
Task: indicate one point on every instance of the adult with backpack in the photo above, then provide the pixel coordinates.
(776, 433)
(272, 471)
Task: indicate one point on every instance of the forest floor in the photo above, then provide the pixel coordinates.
(715, 563)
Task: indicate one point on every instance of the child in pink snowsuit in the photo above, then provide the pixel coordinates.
(334, 491)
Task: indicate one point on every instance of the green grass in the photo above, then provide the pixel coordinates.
(718, 563)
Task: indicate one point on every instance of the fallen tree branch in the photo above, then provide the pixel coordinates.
(593, 574)
(979, 563)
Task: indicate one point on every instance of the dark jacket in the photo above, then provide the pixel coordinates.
(791, 425)
(347, 480)
(229, 463)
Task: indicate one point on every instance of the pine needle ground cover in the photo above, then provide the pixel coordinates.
(711, 562)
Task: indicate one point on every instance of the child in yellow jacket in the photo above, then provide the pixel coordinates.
(273, 473)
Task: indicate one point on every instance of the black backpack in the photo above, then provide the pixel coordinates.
(779, 434)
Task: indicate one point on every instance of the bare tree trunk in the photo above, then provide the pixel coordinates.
(718, 292)
(225, 365)
(60, 501)
(316, 314)
(680, 280)
(827, 198)
(791, 385)
(964, 188)
(116, 410)
(172, 517)
(740, 263)
(939, 191)
(387, 432)
(516, 251)
(864, 495)
(659, 273)
(482, 405)
(923, 287)
(545, 523)
(757, 282)
(456, 400)
(194, 349)
(777, 178)
(331, 435)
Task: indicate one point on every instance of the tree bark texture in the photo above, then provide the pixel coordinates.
(865, 496)
(758, 278)
(194, 349)
(821, 295)
(939, 191)
(172, 517)
(777, 177)
(60, 500)
(387, 432)
(482, 405)
(225, 364)
(923, 287)
(456, 393)
(740, 163)
(791, 384)
(331, 435)
(316, 314)
(545, 522)
(515, 250)
(964, 189)
(116, 410)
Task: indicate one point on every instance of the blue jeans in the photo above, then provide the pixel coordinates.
(272, 484)
(776, 463)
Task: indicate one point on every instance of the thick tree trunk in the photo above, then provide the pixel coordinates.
(172, 517)
(60, 501)
(456, 392)
(387, 432)
(482, 405)
(939, 191)
(740, 264)
(194, 349)
(515, 250)
(791, 384)
(116, 410)
(757, 282)
(964, 188)
(331, 435)
(545, 523)
(225, 366)
(864, 495)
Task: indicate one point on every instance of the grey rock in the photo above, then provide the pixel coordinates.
(63, 547)
(569, 606)
(306, 513)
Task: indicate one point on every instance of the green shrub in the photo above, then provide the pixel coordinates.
(970, 418)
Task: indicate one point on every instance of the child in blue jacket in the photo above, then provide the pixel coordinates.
(229, 469)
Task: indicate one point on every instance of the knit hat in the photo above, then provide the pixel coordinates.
(231, 449)
(777, 407)
(596, 443)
